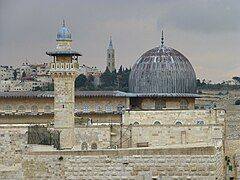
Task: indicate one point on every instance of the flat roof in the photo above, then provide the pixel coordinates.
(50, 94)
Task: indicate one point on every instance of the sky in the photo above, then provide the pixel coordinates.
(207, 32)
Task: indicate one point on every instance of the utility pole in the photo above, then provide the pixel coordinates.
(121, 126)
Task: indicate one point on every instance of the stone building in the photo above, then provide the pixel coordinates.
(152, 132)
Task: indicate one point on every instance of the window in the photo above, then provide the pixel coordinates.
(136, 123)
(8, 109)
(178, 123)
(237, 102)
(84, 146)
(160, 104)
(21, 109)
(108, 108)
(34, 109)
(183, 104)
(200, 122)
(85, 108)
(157, 123)
(109, 55)
(94, 146)
(98, 108)
(47, 109)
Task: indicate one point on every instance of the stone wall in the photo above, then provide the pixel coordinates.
(152, 135)
(200, 163)
(13, 145)
(237, 164)
(18, 160)
(100, 135)
(170, 117)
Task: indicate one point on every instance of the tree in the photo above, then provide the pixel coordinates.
(236, 79)
(80, 81)
(15, 74)
(89, 84)
(23, 74)
(108, 79)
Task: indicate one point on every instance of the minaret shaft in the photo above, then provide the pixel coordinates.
(64, 70)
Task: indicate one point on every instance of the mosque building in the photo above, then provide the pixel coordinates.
(158, 111)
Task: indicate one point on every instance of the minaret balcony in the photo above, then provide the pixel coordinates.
(64, 67)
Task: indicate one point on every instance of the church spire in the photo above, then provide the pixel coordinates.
(63, 23)
(110, 56)
(162, 39)
(110, 43)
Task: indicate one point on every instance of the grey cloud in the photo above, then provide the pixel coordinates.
(203, 16)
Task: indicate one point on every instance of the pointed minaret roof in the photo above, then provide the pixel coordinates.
(110, 43)
(162, 40)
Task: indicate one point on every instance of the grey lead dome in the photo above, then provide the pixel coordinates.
(162, 70)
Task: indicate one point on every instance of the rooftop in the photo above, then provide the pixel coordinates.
(50, 94)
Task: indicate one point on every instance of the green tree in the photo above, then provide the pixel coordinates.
(80, 81)
(108, 80)
(15, 74)
(23, 74)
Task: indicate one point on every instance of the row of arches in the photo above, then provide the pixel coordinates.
(198, 122)
(161, 104)
(84, 146)
(100, 108)
(23, 109)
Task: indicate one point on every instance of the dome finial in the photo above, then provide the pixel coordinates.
(63, 23)
(162, 39)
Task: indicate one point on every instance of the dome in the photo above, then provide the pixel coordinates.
(63, 33)
(162, 70)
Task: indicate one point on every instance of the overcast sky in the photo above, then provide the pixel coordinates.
(207, 32)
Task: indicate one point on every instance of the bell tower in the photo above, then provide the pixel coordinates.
(64, 70)
(110, 57)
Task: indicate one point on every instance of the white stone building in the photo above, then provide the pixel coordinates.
(6, 72)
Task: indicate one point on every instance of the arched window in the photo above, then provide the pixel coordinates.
(157, 123)
(21, 109)
(84, 146)
(8, 109)
(119, 108)
(200, 122)
(237, 102)
(98, 108)
(108, 108)
(183, 104)
(178, 123)
(94, 146)
(160, 104)
(136, 123)
(86, 108)
(47, 109)
(34, 109)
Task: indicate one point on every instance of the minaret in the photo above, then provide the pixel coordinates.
(64, 70)
(110, 57)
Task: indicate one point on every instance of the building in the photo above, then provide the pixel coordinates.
(111, 57)
(152, 132)
(6, 72)
(64, 70)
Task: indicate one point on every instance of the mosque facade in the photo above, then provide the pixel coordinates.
(152, 132)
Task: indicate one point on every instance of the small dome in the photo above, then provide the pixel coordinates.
(162, 70)
(63, 33)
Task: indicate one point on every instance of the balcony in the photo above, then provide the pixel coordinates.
(64, 67)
